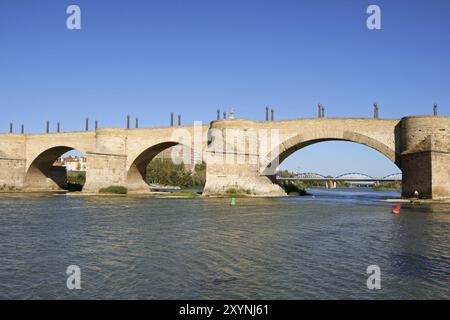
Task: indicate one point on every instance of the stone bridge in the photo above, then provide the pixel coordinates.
(240, 154)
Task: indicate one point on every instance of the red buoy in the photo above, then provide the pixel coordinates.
(396, 209)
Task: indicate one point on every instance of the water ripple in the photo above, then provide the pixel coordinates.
(294, 248)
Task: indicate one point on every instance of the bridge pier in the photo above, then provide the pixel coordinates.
(330, 184)
(107, 165)
(423, 151)
(12, 174)
(233, 162)
(12, 162)
(243, 178)
(135, 179)
(45, 178)
(104, 170)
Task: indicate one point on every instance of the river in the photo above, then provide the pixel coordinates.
(312, 247)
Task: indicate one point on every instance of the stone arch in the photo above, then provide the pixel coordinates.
(136, 170)
(297, 142)
(40, 174)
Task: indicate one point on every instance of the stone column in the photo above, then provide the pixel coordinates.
(106, 164)
(12, 162)
(233, 161)
(423, 148)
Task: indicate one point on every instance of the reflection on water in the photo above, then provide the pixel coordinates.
(285, 248)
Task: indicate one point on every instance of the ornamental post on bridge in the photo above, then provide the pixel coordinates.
(86, 125)
(136, 125)
(128, 121)
(322, 112)
(22, 129)
(179, 120)
(232, 113)
(47, 126)
(272, 114)
(267, 113)
(58, 127)
(435, 112)
(171, 119)
(319, 111)
(375, 110)
(10, 127)
(218, 114)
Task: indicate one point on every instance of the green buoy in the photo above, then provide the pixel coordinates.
(232, 201)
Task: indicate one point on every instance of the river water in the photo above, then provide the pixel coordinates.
(283, 248)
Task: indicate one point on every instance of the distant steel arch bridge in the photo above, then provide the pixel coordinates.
(350, 177)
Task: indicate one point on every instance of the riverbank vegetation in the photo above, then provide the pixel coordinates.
(114, 190)
(75, 180)
(165, 172)
(237, 192)
(159, 171)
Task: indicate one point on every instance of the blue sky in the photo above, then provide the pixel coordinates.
(148, 58)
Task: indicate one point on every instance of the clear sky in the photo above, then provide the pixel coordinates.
(148, 58)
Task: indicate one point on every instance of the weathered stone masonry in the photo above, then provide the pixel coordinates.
(419, 145)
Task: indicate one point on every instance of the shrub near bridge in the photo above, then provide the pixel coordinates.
(114, 190)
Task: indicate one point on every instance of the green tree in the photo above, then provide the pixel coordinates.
(165, 172)
(199, 175)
